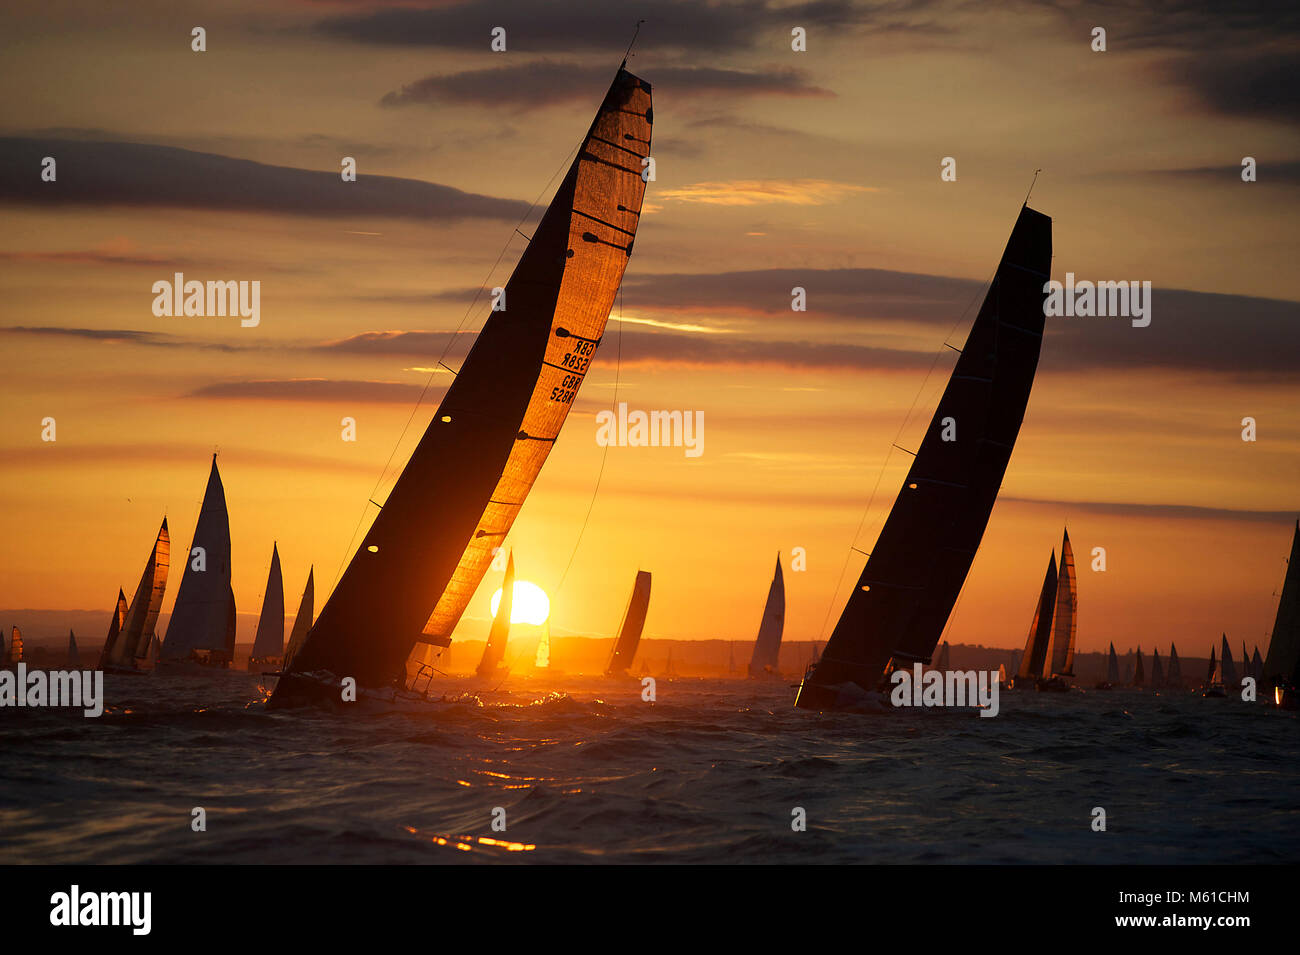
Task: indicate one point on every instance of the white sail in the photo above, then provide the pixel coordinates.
(268, 644)
(767, 646)
(302, 619)
(543, 659)
(203, 618)
(13, 654)
(1065, 623)
(131, 645)
(1227, 668)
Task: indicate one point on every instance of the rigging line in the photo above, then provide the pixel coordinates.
(618, 365)
(982, 291)
(441, 358)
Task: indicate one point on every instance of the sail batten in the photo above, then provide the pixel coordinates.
(629, 631)
(929, 539)
(459, 494)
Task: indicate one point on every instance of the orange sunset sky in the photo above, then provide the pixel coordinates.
(774, 169)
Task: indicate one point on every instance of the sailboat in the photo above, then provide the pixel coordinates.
(489, 666)
(1213, 679)
(670, 672)
(12, 655)
(901, 602)
(268, 644)
(1065, 624)
(1112, 671)
(1157, 671)
(543, 659)
(767, 645)
(629, 633)
(1139, 673)
(1257, 667)
(201, 632)
(1037, 642)
(1229, 667)
(302, 619)
(1175, 678)
(434, 537)
(74, 657)
(127, 651)
(944, 663)
(1282, 663)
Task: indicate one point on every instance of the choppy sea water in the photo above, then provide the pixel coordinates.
(589, 773)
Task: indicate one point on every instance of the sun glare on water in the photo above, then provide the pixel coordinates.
(530, 603)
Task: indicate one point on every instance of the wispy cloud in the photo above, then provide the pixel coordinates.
(671, 326)
(758, 192)
(146, 175)
(311, 389)
(546, 83)
(543, 26)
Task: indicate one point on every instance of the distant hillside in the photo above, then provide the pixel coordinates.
(45, 632)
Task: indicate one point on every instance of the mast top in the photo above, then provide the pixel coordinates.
(633, 43)
(1031, 185)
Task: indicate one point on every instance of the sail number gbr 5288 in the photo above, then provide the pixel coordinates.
(576, 362)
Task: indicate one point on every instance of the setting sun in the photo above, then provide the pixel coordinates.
(530, 604)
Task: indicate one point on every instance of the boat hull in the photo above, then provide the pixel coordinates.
(125, 671)
(840, 697)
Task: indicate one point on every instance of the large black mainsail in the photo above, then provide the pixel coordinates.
(916, 570)
(1040, 629)
(629, 634)
(432, 541)
(1282, 663)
